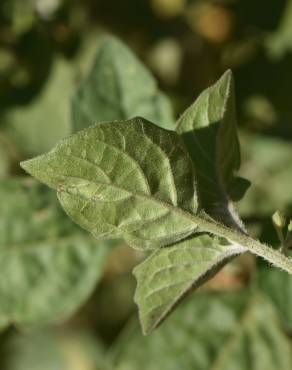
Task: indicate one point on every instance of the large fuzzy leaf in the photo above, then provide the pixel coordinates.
(127, 179)
(208, 128)
(48, 267)
(169, 274)
(119, 87)
(211, 331)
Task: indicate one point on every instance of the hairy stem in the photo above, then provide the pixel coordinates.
(271, 255)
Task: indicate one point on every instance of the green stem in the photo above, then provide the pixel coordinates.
(245, 241)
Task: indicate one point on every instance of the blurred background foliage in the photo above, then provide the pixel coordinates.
(242, 319)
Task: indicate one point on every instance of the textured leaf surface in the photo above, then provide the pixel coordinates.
(165, 277)
(130, 179)
(209, 130)
(119, 87)
(222, 332)
(48, 267)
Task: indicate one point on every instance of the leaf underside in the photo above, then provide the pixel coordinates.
(169, 274)
(137, 181)
(127, 179)
(208, 128)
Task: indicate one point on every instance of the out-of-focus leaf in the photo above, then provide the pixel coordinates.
(48, 267)
(239, 187)
(280, 42)
(38, 126)
(119, 87)
(21, 15)
(208, 128)
(268, 162)
(127, 179)
(169, 274)
(3, 324)
(69, 350)
(8, 155)
(278, 286)
(4, 160)
(226, 331)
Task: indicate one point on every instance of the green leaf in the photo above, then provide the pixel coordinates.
(5, 156)
(127, 179)
(279, 42)
(268, 160)
(134, 180)
(278, 286)
(169, 274)
(37, 127)
(48, 350)
(48, 266)
(208, 128)
(119, 87)
(238, 188)
(211, 331)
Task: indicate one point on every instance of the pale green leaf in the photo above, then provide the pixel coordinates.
(208, 128)
(210, 332)
(48, 266)
(119, 87)
(169, 274)
(127, 179)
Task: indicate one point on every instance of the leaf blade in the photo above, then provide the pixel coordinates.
(128, 178)
(171, 273)
(43, 258)
(208, 128)
(37, 127)
(119, 87)
(278, 286)
(244, 331)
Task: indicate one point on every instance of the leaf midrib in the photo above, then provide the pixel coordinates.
(184, 213)
(211, 226)
(196, 219)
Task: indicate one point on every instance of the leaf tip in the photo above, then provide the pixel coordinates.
(226, 80)
(228, 74)
(26, 165)
(146, 326)
(33, 167)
